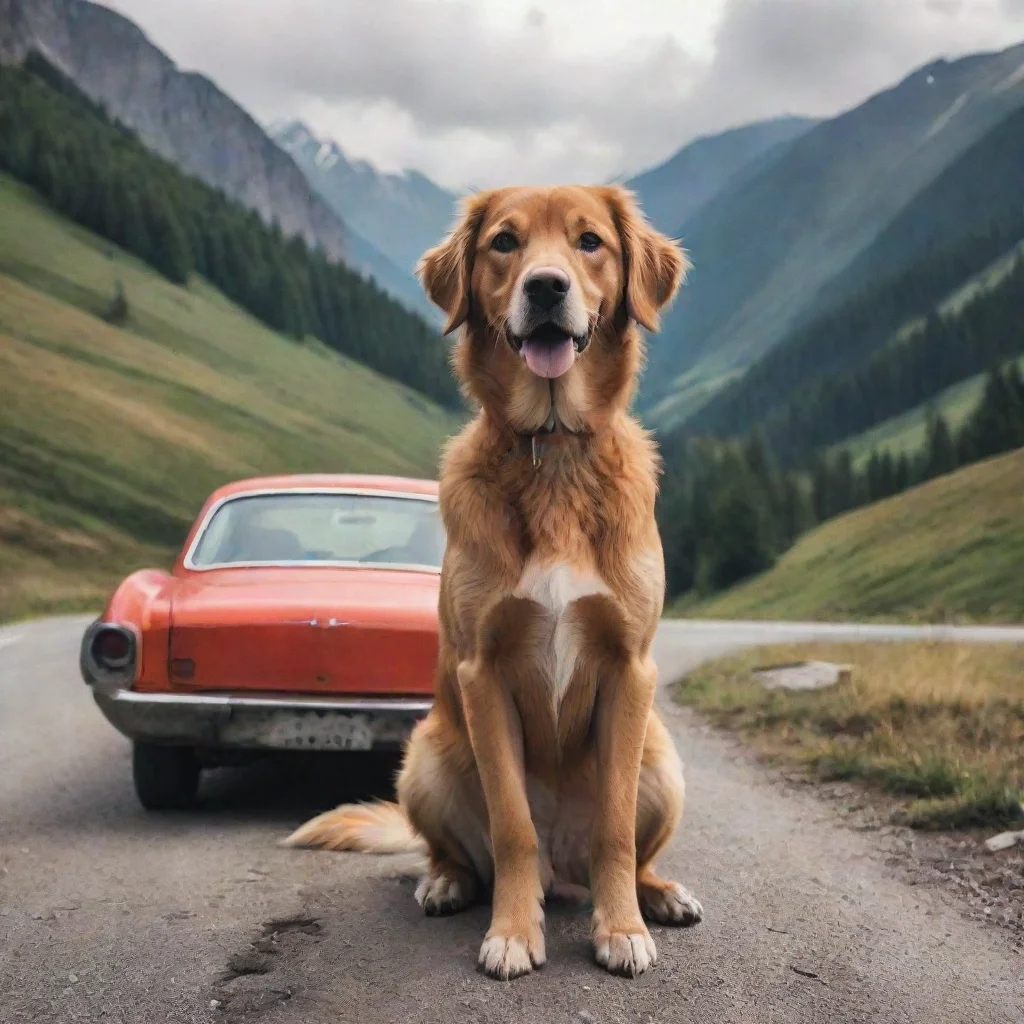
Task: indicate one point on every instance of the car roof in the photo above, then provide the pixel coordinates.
(327, 481)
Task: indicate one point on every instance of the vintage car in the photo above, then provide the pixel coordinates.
(301, 614)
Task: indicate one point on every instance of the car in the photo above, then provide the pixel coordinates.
(300, 614)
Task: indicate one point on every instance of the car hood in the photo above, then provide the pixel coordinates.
(355, 596)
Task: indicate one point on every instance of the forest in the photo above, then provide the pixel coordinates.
(97, 173)
(728, 509)
(944, 349)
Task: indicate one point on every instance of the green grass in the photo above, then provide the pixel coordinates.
(936, 730)
(950, 549)
(111, 438)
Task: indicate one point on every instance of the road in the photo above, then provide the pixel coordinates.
(109, 914)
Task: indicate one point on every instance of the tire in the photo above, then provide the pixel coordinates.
(166, 778)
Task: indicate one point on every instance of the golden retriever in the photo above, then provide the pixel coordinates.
(543, 765)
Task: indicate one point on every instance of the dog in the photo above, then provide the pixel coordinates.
(543, 767)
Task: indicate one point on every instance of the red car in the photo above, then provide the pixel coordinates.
(301, 614)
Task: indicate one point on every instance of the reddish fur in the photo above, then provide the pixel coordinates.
(589, 505)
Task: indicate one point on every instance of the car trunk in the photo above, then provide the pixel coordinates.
(305, 630)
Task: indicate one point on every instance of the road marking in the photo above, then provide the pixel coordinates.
(7, 641)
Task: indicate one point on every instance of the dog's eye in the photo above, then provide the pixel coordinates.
(589, 241)
(504, 241)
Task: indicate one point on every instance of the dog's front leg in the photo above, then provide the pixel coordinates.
(625, 697)
(515, 941)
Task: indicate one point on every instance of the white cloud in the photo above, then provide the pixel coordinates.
(495, 91)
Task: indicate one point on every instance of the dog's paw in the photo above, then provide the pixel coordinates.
(440, 895)
(511, 956)
(625, 953)
(669, 903)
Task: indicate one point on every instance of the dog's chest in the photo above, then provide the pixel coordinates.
(556, 586)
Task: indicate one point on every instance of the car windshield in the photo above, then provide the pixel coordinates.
(326, 527)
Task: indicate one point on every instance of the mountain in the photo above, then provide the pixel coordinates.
(674, 190)
(980, 191)
(765, 246)
(949, 245)
(185, 118)
(402, 215)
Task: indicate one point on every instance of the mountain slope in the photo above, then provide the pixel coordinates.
(190, 393)
(183, 117)
(952, 547)
(400, 214)
(956, 237)
(980, 191)
(762, 250)
(674, 190)
(102, 177)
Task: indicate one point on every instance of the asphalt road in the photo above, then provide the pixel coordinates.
(109, 914)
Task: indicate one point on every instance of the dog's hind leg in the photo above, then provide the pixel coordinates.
(441, 795)
(658, 813)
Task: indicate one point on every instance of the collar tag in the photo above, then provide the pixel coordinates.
(535, 451)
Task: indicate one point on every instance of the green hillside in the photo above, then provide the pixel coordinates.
(950, 548)
(111, 437)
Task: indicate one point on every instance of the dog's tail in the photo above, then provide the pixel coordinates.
(380, 827)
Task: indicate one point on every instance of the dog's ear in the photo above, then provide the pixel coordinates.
(654, 264)
(446, 271)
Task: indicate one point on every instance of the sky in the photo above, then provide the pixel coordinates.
(477, 93)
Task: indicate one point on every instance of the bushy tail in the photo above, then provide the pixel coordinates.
(379, 827)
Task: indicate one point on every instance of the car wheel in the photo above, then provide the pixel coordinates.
(166, 778)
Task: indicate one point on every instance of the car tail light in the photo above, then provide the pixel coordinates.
(109, 654)
(112, 648)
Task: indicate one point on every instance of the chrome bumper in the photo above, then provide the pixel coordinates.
(231, 720)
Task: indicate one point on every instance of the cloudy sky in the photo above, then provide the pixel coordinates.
(482, 92)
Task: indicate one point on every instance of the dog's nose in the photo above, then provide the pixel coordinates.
(546, 288)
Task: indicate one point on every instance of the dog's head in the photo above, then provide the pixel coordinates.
(549, 284)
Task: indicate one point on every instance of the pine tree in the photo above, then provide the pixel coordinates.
(169, 251)
(940, 448)
(739, 545)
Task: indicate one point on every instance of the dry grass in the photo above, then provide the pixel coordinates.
(939, 727)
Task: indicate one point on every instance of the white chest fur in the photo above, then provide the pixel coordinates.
(556, 585)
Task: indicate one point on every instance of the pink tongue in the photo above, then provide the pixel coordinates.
(548, 359)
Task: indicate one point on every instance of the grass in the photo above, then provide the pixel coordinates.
(949, 550)
(111, 438)
(938, 729)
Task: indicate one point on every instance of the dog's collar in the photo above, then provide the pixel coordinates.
(532, 443)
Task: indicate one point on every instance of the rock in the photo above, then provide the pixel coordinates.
(803, 675)
(1004, 841)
